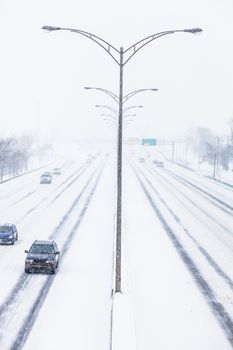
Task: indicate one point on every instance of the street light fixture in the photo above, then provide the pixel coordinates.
(111, 94)
(116, 97)
(114, 117)
(121, 57)
(128, 115)
(115, 111)
(108, 115)
(110, 120)
(108, 107)
(130, 107)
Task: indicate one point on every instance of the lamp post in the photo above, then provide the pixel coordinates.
(121, 57)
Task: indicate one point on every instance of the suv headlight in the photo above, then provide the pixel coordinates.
(29, 261)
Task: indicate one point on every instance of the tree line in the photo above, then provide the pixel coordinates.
(16, 153)
(211, 148)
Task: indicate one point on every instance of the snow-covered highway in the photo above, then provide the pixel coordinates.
(176, 268)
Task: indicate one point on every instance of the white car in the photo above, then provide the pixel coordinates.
(56, 171)
(46, 178)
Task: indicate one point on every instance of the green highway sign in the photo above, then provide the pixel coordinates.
(149, 142)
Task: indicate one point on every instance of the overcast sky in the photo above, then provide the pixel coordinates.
(43, 75)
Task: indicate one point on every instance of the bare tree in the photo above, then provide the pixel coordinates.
(6, 147)
(203, 142)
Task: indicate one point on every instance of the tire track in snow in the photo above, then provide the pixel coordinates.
(7, 306)
(213, 199)
(71, 177)
(203, 251)
(226, 229)
(222, 316)
(80, 171)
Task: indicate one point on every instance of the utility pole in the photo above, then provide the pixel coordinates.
(214, 171)
(218, 158)
(173, 151)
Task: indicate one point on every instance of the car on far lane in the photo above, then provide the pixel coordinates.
(46, 178)
(43, 256)
(8, 234)
(56, 171)
(160, 164)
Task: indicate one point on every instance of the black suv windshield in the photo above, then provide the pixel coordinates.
(42, 249)
(5, 229)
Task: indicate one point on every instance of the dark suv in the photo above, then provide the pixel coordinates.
(8, 234)
(43, 256)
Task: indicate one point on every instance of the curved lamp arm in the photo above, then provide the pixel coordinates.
(109, 93)
(103, 43)
(109, 120)
(132, 93)
(108, 115)
(130, 107)
(128, 115)
(115, 111)
(141, 43)
(108, 107)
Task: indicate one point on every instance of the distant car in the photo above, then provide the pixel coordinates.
(155, 161)
(46, 178)
(160, 164)
(43, 256)
(8, 234)
(141, 160)
(56, 171)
